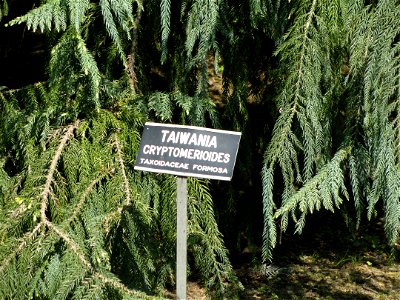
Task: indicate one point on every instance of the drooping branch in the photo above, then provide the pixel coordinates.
(300, 74)
(53, 165)
(23, 244)
(84, 196)
(119, 286)
(287, 117)
(131, 56)
(44, 196)
(70, 243)
(124, 177)
(126, 186)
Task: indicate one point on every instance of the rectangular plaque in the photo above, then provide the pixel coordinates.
(188, 151)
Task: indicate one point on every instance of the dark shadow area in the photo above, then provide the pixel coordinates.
(328, 261)
(23, 54)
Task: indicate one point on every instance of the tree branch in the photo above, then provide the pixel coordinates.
(131, 56)
(53, 166)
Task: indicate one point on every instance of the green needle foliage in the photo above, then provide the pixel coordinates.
(340, 62)
(314, 86)
(76, 221)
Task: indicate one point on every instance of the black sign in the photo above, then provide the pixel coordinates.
(188, 151)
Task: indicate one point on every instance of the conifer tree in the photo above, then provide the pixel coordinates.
(340, 63)
(321, 77)
(76, 221)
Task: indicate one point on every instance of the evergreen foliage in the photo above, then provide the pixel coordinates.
(340, 62)
(80, 223)
(76, 221)
(314, 86)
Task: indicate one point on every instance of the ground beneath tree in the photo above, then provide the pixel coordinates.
(361, 277)
(321, 266)
(310, 276)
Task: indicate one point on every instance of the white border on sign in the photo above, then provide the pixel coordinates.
(202, 175)
(193, 127)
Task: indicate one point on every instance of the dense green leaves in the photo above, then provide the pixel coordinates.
(83, 217)
(76, 220)
(321, 68)
(314, 86)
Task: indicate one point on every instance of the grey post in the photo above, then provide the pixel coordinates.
(181, 238)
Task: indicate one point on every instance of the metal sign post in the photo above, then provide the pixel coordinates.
(181, 237)
(186, 151)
